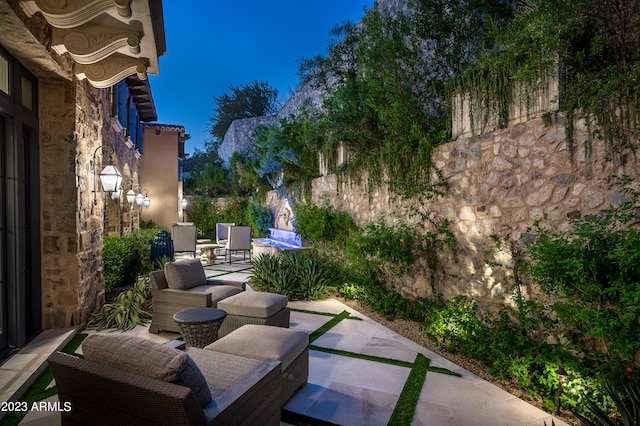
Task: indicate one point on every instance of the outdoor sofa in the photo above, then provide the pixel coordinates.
(183, 285)
(127, 380)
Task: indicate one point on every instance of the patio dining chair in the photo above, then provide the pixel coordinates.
(222, 232)
(239, 240)
(185, 237)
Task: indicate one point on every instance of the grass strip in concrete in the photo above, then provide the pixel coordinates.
(326, 314)
(406, 406)
(365, 357)
(328, 326)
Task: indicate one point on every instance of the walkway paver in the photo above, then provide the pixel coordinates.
(342, 389)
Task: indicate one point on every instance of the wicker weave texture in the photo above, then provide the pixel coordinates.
(199, 335)
(295, 376)
(233, 322)
(102, 395)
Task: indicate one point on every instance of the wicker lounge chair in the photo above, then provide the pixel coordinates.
(241, 390)
(183, 285)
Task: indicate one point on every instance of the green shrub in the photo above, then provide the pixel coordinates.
(142, 255)
(119, 261)
(127, 257)
(592, 277)
(322, 224)
(259, 217)
(207, 212)
(626, 398)
(296, 275)
(395, 247)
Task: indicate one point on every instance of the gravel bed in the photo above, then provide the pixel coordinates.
(411, 330)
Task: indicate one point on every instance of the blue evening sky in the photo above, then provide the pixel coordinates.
(214, 44)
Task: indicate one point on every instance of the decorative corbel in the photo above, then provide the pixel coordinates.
(111, 70)
(91, 43)
(72, 13)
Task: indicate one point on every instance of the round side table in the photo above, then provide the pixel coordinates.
(199, 326)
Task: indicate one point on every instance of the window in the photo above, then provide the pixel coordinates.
(4, 75)
(27, 93)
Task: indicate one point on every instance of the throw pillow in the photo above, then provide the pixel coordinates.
(184, 274)
(147, 358)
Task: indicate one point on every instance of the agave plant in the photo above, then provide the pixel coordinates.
(125, 312)
(295, 275)
(315, 278)
(627, 405)
(265, 267)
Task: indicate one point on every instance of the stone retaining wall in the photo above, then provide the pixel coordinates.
(499, 185)
(240, 135)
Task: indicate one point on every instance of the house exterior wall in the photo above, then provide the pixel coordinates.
(74, 121)
(159, 174)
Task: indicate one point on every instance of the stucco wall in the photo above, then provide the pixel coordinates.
(159, 175)
(499, 184)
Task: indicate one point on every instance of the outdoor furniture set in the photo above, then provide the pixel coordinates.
(128, 380)
(184, 285)
(245, 377)
(231, 238)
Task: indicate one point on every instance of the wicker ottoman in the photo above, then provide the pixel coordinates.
(251, 307)
(290, 347)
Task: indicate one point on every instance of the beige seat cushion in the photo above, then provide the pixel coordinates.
(221, 370)
(254, 304)
(147, 358)
(218, 292)
(184, 274)
(263, 342)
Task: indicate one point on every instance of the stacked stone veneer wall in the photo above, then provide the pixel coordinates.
(60, 264)
(499, 184)
(74, 123)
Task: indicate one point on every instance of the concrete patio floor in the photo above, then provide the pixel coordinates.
(342, 388)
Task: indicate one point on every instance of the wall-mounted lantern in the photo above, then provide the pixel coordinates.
(110, 176)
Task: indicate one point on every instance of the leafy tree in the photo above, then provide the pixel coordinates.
(255, 99)
(242, 174)
(211, 181)
(340, 57)
(287, 153)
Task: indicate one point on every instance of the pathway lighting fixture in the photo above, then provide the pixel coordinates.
(110, 176)
(561, 375)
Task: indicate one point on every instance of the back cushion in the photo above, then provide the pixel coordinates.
(184, 274)
(147, 358)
